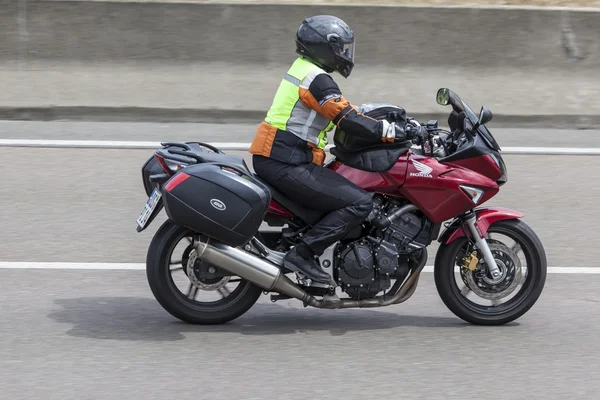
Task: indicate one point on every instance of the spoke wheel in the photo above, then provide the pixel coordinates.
(189, 288)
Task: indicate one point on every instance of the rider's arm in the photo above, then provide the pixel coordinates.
(323, 95)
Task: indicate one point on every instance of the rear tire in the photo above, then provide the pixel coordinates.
(490, 315)
(173, 301)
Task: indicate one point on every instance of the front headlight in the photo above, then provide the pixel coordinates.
(500, 163)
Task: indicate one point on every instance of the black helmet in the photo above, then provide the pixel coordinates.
(328, 42)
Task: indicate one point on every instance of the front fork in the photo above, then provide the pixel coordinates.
(482, 245)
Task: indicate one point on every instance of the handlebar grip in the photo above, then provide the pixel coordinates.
(411, 131)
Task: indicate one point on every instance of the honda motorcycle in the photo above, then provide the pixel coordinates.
(489, 269)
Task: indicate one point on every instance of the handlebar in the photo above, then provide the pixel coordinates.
(414, 130)
(422, 134)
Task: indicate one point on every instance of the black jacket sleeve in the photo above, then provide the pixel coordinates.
(324, 96)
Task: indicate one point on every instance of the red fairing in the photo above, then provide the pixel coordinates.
(435, 187)
(277, 210)
(485, 218)
(427, 183)
(485, 165)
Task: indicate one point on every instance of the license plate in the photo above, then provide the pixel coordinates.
(149, 208)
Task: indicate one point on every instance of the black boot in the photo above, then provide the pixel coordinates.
(308, 266)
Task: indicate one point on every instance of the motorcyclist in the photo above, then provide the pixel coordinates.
(288, 148)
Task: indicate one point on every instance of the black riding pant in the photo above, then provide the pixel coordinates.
(318, 188)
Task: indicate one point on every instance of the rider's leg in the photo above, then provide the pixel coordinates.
(315, 187)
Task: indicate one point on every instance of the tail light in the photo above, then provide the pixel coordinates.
(163, 164)
(170, 167)
(175, 181)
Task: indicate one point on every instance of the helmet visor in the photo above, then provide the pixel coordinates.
(347, 51)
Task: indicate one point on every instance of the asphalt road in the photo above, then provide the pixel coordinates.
(100, 335)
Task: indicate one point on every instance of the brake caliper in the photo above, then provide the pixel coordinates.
(471, 261)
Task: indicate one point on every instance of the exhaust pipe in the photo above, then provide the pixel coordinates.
(269, 277)
(402, 292)
(252, 268)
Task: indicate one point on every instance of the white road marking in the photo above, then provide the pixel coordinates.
(72, 265)
(141, 266)
(226, 146)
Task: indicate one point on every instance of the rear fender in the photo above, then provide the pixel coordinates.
(154, 181)
(156, 211)
(485, 218)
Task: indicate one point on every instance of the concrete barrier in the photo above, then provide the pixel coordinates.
(518, 61)
(98, 31)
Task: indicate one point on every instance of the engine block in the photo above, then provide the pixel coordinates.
(409, 231)
(357, 266)
(365, 267)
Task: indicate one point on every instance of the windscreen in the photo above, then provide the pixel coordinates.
(458, 105)
(483, 130)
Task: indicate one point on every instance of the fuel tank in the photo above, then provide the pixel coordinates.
(388, 182)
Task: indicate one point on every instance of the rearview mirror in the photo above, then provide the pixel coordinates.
(485, 116)
(443, 97)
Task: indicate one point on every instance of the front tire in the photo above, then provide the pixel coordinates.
(449, 256)
(180, 305)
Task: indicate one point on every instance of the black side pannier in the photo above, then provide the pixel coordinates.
(370, 153)
(223, 202)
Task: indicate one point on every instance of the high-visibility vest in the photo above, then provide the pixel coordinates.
(289, 116)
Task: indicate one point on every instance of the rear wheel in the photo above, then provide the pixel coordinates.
(468, 290)
(190, 289)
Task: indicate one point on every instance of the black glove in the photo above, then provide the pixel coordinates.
(391, 132)
(417, 132)
(400, 134)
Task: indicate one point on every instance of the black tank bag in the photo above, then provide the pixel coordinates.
(366, 153)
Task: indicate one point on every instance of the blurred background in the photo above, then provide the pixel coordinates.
(88, 88)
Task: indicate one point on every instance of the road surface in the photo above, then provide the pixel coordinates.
(90, 334)
(100, 335)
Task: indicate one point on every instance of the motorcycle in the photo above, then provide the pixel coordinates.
(236, 228)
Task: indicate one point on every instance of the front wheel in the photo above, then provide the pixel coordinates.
(180, 280)
(468, 290)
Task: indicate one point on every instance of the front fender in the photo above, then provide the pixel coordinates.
(485, 217)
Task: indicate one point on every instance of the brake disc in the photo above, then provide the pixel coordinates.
(510, 269)
(194, 271)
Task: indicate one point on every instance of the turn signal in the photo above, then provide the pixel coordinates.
(474, 193)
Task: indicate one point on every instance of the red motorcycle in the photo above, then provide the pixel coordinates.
(490, 267)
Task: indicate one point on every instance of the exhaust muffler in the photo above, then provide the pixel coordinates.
(252, 268)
